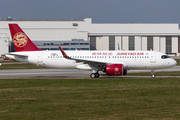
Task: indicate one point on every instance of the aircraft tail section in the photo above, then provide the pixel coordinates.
(20, 40)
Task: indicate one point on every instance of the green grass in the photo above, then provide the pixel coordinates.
(21, 66)
(8, 61)
(126, 99)
(178, 61)
(172, 73)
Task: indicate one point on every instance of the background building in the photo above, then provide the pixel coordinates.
(82, 33)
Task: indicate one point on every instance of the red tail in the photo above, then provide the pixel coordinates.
(20, 40)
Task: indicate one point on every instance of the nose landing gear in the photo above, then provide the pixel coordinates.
(153, 74)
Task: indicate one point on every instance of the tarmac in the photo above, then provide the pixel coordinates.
(70, 73)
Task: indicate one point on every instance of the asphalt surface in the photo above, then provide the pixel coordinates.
(69, 73)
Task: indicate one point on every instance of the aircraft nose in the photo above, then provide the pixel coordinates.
(173, 63)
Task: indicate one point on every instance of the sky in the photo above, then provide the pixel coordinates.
(101, 11)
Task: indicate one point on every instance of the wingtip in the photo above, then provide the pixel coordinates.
(63, 53)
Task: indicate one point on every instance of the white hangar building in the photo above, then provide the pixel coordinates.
(48, 34)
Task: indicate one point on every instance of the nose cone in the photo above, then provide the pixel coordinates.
(173, 63)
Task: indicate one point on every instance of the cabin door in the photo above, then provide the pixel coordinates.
(153, 57)
(40, 58)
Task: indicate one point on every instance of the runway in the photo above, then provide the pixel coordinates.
(68, 73)
(44, 73)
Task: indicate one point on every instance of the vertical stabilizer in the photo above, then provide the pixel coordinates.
(20, 40)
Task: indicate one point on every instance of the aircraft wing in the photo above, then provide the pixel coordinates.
(92, 62)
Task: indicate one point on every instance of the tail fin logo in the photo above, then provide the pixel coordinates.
(116, 69)
(20, 39)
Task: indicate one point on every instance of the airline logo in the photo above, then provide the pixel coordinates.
(20, 39)
(116, 69)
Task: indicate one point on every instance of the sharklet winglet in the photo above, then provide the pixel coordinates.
(63, 53)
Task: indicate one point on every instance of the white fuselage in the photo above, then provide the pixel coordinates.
(130, 59)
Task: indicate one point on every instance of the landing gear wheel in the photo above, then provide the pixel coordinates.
(97, 75)
(153, 76)
(93, 75)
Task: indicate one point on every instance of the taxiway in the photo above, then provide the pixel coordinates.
(67, 73)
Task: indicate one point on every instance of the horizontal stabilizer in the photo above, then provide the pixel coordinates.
(16, 56)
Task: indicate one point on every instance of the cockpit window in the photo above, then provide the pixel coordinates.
(165, 56)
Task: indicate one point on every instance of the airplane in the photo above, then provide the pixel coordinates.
(113, 63)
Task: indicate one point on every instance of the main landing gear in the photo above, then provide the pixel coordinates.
(153, 74)
(94, 75)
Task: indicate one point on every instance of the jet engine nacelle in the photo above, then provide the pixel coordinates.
(115, 69)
